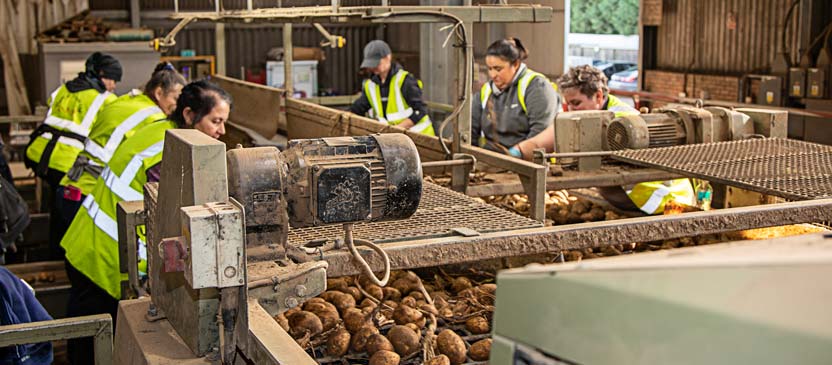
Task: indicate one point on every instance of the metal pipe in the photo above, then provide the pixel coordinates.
(578, 154)
(444, 163)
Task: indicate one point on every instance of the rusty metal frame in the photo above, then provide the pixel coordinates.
(450, 250)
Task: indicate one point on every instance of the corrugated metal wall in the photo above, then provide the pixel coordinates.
(695, 34)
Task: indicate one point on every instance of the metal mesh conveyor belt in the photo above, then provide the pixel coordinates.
(440, 211)
(786, 168)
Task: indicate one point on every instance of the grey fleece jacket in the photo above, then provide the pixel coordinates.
(513, 125)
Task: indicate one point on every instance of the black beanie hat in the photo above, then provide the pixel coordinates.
(104, 65)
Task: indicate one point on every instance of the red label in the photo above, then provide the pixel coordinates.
(72, 193)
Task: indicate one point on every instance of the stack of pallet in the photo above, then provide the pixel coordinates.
(80, 28)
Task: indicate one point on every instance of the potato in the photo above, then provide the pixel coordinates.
(354, 292)
(391, 293)
(391, 304)
(440, 294)
(408, 301)
(318, 307)
(416, 328)
(378, 343)
(367, 302)
(451, 345)
(360, 337)
(488, 288)
(446, 312)
(480, 350)
(375, 291)
(417, 295)
(439, 360)
(385, 357)
(313, 300)
(329, 319)
(405, 314)
(304, 322)
(404, 286)
(439, 302)
(288, 313)
(330, 295)
(343, 302)
(477, 325)
(429, 308)
(282, 321)
(354, 319)
(404, 340)
(338, 283)
(338, 344)
(461, 283)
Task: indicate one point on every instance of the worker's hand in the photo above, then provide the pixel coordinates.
(406, 124)
(514, 151)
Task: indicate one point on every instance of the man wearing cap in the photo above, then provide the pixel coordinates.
(391, 95)
(73, 109)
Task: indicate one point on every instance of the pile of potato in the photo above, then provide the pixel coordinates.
(357, 320)
(561, 208)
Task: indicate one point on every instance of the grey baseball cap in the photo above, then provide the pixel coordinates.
(374, 52)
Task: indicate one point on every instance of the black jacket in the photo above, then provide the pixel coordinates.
(410, 90)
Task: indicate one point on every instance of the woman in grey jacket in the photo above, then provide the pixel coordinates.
(515, 105)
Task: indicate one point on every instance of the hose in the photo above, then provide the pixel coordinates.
(363, 263)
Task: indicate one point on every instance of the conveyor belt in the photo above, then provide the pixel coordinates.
(786, 168)
(441, 210)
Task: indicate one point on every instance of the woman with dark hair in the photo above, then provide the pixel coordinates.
(116, 121)
(516, 104)
(91, 243)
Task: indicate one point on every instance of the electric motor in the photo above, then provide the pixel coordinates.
(662, 129)
(325, 181)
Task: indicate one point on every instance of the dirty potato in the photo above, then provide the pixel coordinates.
(354, 292)
(405, 314)
(360, 337)
(391, 293)
(439, 360)
(451, 345)
(338, 344)
(329, 319)
(338, 283)
(375, 291)
(385, 357)
(378, 343)
(304, 322)
(343, 302)
(477, 325)
(409, 301)
(354, 319)
(461, 283)
(480, 350)
(282, 321)
(404, 340)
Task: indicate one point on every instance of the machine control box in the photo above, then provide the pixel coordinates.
(214, 243)
(797, 82)
(817, 80)
(771, 91)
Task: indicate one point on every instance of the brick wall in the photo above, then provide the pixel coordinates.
(713, 87)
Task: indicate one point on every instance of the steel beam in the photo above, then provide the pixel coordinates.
(99, 326)
(385, 14)
(453, 250)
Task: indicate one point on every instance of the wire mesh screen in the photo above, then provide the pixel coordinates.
(441, 211)
(786, 168)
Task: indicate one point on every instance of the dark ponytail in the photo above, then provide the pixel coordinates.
(201, 96)
(509, 49)
(164, 76)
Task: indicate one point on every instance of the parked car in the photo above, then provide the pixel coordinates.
(610, 68)
(626, 80)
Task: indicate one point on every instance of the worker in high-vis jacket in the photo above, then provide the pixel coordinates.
(91, 243)
(516, 104)
(585, 88)
(116, 121)
(391, 95)
(73, 111)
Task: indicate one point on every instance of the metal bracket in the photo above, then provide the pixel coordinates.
(130, 215)
(460, 173)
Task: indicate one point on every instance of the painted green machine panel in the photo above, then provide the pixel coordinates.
(745, 303)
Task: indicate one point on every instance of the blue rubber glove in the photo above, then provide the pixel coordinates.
(514, 151)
